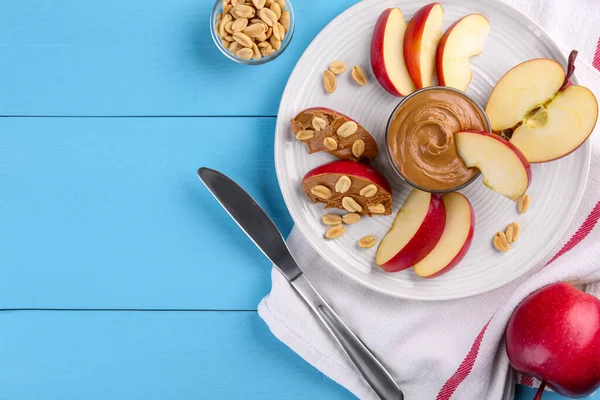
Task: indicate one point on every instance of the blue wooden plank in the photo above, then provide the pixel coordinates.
(156, 355)
(109, 212)
(151, 355)
(136, 57)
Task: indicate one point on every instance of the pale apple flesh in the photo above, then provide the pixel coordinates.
(421, 40)
(455, 240)
(387, 60)
(416, 230)
(558, 128)
(463, 40)
(504, 168)
(523, 89)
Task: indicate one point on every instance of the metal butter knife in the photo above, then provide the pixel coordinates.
(260, 228)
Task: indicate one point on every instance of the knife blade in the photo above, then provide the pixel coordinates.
(255, 222)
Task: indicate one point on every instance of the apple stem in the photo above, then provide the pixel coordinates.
(540, 391)
(570, 69)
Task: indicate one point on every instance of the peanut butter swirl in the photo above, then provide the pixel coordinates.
(421, 138)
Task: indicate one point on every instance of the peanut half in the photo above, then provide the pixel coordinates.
(330, 143)
(367, 242)
(348, 128)
(322, 191)
(319, 124)
(337, 67)
(377, 209)
(512, 232)
(350, 218)
(359, 76)
(331, 219)
(523, 204)
(358, 148)
(368, 191)
(343, 184)
(335, 232)
(501, 242)
(329, 81)
(351, 205)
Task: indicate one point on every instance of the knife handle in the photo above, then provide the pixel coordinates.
(371, 369)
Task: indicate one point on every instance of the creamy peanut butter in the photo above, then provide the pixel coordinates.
(421, 138)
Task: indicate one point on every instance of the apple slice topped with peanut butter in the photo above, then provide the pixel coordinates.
(324, 129)
(354, 187)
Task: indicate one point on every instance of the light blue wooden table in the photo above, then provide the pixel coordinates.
(121, 276)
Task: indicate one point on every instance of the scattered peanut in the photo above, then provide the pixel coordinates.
(337, 67)
(367, 242)
(512, 232)
(523, 203)
(350, 218)
(329, 81)
(335, 232)
(359, 76)
(501, 242)
(331, 219)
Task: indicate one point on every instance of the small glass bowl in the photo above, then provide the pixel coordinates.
(218, 7)
(388, 152)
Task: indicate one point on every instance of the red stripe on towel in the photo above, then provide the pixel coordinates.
(596, 62)
(463, 370)
(467, 364)
(526, 380)
(581, 233)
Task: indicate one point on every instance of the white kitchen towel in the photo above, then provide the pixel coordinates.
(452, 349)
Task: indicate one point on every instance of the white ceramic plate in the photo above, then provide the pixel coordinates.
(556, 189)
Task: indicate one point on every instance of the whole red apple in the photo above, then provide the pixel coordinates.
(554, 335)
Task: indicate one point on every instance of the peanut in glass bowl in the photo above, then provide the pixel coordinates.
(218, 8)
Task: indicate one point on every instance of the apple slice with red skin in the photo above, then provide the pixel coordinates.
(416, 230)
(560, 127)
(522, 89)
(544, 115)
(360, 176)
(387, 58)
(455, 241)
(463, 40)
(554, 335)
(334, 119)
(421, 40)
(505, 169)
